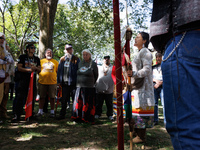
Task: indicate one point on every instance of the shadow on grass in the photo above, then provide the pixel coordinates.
(47, 133)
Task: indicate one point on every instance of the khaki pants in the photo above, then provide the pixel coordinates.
(3, 109)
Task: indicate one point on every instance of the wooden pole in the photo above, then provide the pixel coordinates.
(117, 45)
(127, 50)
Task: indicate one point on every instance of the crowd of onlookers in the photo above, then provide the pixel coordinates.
(174, 31)
(79, 82)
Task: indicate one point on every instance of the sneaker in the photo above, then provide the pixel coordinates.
(111, 118)
(52, 115)
(96, 116)
(37, 97)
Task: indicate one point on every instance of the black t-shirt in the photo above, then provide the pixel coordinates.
(26, 63)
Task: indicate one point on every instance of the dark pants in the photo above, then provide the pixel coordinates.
(109, 103)
(11, 87)
(67, 92)
(15, 99)
(158, 93)
(46, 103)
(22, 94)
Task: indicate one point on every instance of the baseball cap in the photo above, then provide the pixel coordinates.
(106, 57)
(67, 46)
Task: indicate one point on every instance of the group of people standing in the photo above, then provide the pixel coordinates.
(77, 78)
(6, 71)
(174, 31)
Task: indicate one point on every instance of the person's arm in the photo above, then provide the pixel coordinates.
(158, 83)
(59, 72)
(32, 69)
(21, 69)
(6, 60)
(95, 72)
(38, 67)
(146, 60)
(2, 60)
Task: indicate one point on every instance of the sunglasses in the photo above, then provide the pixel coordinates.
(1, 38)
(32, 47)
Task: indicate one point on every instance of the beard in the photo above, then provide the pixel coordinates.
(48, 57)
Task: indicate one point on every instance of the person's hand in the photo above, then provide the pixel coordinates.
(33, 68)
(158, 83)
(6, 74)
(156, 86)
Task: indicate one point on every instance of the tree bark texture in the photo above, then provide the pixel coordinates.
(47, 11)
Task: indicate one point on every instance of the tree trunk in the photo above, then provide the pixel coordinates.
(47, 11)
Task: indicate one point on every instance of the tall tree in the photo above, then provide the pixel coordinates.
(2, 10)
(47, 11)
(85, 26)
(20, 24)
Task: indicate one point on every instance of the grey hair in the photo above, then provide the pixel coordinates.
(87, 51)
(158, 54)
(48, 49)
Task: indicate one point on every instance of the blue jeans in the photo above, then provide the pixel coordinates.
(158, 93)
(182, 91)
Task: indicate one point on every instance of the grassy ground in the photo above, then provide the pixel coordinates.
(50, 134)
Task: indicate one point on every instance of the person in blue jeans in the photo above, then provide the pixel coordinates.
(158, 90)
(175, 29)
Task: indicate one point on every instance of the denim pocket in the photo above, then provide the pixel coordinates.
(189, 49)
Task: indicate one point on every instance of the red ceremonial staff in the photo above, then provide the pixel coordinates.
(117, 44)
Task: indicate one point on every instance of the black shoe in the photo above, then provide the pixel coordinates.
(33, 118)
(15, 119)
(60, 117)
(52, 115)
